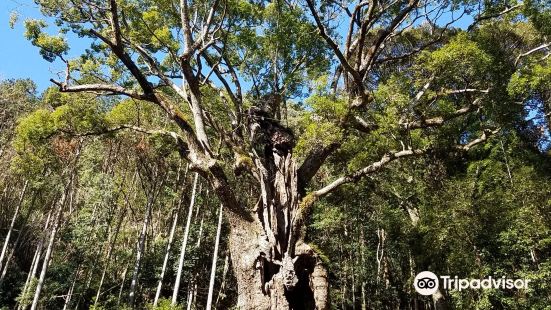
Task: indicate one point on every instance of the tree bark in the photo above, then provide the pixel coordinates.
(170, 240)
(71, 290)
(12, 224)
(261, 284)
(273, 266)
(214, 258)
(189, 296)
(50, 247)
(184, 243)
(109, 253)
(140, 249)
(36, 260)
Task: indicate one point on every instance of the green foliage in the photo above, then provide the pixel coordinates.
(39, 137)
(78, 116)
(460, 62)
(14, 17)
(317, 134)
(31, 143)
(128, 112)
(532, 80)
(27, 298)
(34, 129)
(165, 304)
(539, 12)
(50, 46)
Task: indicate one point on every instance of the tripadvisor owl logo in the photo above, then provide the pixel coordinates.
(426, 283)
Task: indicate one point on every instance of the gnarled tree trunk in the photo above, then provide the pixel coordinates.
(274, 268)
(261, 284)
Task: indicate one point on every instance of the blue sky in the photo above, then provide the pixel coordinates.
(19, 58)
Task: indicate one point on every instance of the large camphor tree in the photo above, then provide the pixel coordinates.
(403, 79)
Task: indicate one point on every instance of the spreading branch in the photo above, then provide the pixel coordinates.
(374, 167)
(486, 134)
(313, 162)
(482, 18)
(104, 131)
(539, 48)
(440, 120)
(390, 157)
(384, 34)
(336, 50)
(98, 88)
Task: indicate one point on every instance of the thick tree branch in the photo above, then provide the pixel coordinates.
(539, 48)
(134, 128)
(323, 32)
(198, 142)
(362, 125)
(354, 21)
(154, 67)
(313, 162)
(383, 35)
(374, 167)
(482, 18)
(486, 134)
(205, 31)
(439, 120)
(115, 22)
(236, 97)
(186, 26)
(388, 158)
(105, 88)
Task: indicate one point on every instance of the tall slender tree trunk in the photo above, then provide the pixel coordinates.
(109, 169)
(193, 286)
(36, 259)
(19, 235)
(364, 303)
(184, 243)
(71, 290)
(353, 287)
(109, 253)
(12, 224)
(140, 249)
(362, 262)
(5, 192)
(223, 284)
(343, 297)
(214, 259)
(190, 293)
(49, 249)
(122, 285)
(90, 272)
(175, 214)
